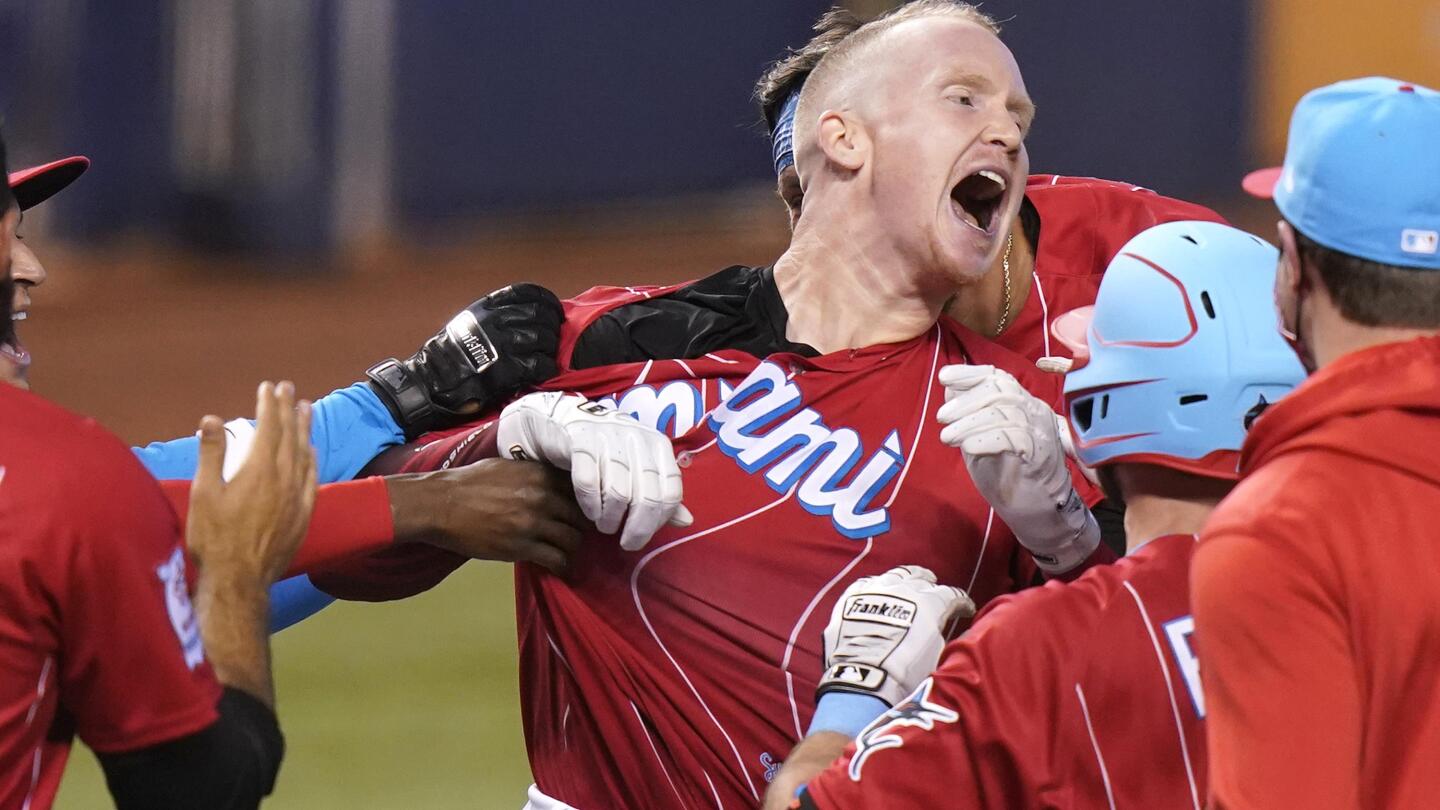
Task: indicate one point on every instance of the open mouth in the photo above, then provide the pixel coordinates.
(12, 349)
(14, 352)
(977, 199)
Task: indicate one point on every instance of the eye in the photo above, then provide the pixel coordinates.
(964, 99)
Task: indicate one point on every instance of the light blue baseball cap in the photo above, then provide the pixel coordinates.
(1362, 171)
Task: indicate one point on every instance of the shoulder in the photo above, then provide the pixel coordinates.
(43, 442)
(608, 325)
(1281, 498)
(1046, 620)
(1280, 530)
(1061, 192)
(1109, 212)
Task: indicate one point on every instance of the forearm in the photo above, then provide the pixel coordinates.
(233, 611)
(352, 517)
(348, 428)
(811, 756)
(294, 600)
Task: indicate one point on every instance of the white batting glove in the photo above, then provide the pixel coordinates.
(617, 465)
(1016, 457)
(886, 632)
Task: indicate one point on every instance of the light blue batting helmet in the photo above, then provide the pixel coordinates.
(1184, 350)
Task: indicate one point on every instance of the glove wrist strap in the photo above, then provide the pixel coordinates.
(405, 396)
(1066, 556)
(854, 677)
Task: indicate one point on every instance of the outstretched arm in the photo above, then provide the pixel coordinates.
(350, 427)
(490, 351)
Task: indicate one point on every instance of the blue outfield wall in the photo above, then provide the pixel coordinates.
(567, 103)
(1141, 90)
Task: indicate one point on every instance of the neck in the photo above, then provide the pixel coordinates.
(980, 306)
(1330, 336)
(846, 287)
(1160, 501)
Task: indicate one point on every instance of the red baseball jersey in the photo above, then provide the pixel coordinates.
(1081, 694)
(679, 676)
(1083, 223)
(97, 635)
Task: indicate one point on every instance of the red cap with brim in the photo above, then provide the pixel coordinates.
(1070, 330)
(1261, 183)
(37, 184)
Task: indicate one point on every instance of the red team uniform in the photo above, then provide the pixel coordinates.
(97, 635)
(1083, 222)
(1084, 694)
(681, 675)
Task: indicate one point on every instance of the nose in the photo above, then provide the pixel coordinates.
(1003, 131)
(25, 266)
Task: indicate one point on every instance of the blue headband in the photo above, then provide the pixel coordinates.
(781, 138)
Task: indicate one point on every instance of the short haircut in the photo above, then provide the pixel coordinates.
(1370, 293)
(790, 72)
(833, 65)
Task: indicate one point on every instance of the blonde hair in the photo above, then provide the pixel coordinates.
(837, 63)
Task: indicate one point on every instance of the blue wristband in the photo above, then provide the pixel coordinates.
(845, 713)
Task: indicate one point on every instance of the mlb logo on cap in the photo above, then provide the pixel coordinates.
(1362, 171)
(1424, 242)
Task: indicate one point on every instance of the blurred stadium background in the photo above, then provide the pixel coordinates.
(297, 188)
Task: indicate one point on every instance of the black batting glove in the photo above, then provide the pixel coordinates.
(488, 353)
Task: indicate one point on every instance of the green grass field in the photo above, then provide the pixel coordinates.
(412, 704)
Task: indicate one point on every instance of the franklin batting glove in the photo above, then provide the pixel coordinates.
(1016, 457)
(490, 351)
(886, 633)
(617, 465)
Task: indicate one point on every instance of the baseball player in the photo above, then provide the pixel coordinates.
(802, 398)
(99, 637)
(1315, 582)
(1084, 694)
(491, 350)
(1055, 253)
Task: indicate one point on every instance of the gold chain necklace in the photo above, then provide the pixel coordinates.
(1005, 269)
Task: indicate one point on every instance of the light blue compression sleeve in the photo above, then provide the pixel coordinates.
(845, 713)
(347, 428)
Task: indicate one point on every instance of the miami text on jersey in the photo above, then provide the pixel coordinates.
(763, 422)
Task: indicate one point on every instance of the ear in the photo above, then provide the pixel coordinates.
(843, 140)
(1288, 277)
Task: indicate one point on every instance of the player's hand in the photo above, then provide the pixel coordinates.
(1013, 449)
(250, 526)
(495, 509)
(490, 351)
(622, 471)
(886, 632)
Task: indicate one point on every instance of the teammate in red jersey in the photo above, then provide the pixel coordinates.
(803, 400)
(99, 638)
(1084, 694)
(1083, 221)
